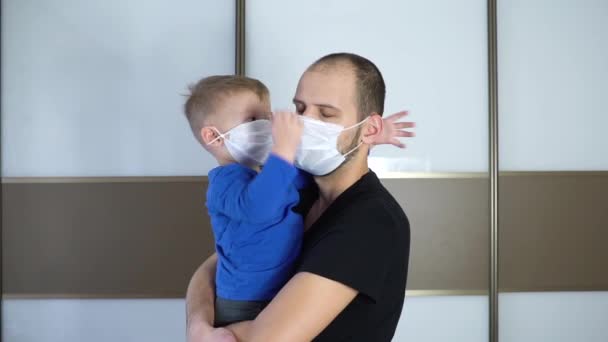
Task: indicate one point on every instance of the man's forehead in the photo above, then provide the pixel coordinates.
(328, 86)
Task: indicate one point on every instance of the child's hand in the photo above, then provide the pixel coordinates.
(394, 130)
(286, 134)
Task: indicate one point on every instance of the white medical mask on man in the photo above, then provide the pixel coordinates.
(318, 153)
(248, 143)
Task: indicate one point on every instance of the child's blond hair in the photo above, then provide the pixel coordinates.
(208, 93)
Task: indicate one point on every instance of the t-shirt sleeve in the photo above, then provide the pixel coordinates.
(356, 254)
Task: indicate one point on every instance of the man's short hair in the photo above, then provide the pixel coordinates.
(370, 87)
(210, 92)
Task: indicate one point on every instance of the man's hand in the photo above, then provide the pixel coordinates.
(210, 334)
(286, 133)
(393, 130)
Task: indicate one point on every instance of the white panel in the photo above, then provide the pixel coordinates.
(95, 320)
(555, 317)
(424, 319)
(94, 88)
(433, 55)
(553, 83)
(444, 318)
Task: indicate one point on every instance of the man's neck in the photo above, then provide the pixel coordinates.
(333, 185)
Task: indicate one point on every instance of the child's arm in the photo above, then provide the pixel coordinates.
(286, 134)
(262, 198)
(258, 199)
(393, 130)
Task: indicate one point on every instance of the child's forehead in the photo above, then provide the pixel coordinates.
(240, 106)
(245, 99)
(243, 104)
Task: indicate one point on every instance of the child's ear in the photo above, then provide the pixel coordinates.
(373, 129)
(209, 136)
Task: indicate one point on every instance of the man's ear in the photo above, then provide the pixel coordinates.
(372, 129)
(209, 136)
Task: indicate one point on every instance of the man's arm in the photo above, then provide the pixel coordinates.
(305, 306)
(346, 262)
(200, 305)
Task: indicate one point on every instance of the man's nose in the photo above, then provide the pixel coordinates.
(311, 113)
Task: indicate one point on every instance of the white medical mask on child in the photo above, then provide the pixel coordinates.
(248, 143)
(318, 153)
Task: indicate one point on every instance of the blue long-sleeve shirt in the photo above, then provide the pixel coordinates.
(257, 235)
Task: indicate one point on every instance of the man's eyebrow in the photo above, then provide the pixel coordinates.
(324, 105)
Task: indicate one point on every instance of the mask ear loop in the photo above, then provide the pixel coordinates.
(357, 124)
(219, 135)
(360, 143)
(353, 150)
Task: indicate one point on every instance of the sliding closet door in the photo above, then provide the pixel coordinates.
(92, 96)
(553, 83)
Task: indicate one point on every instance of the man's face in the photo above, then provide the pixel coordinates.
(329, 95)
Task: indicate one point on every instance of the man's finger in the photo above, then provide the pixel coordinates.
(222, 335)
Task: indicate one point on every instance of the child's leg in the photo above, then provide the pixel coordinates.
(232, 311)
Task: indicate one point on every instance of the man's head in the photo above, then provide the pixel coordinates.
(344, 89)
(219, 103)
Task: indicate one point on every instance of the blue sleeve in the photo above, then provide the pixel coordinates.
(256, 199)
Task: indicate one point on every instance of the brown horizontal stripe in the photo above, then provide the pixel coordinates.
(143, 239)
(449, 226)
(553, 232)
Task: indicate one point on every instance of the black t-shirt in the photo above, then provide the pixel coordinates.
(362, 240)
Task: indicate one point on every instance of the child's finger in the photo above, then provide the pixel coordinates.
(399, 115)
(397, 143)
(402, 125)
(405, 134)
(277, 112)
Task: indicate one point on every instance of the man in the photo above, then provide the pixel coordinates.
(350, 282)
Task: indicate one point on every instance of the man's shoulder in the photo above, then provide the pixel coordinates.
(376, 216)
(372, 221)
(376, 202)
(366, 211)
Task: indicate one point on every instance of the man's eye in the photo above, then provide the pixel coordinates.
(325, 115)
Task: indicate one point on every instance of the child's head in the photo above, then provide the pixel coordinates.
(219, 103)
